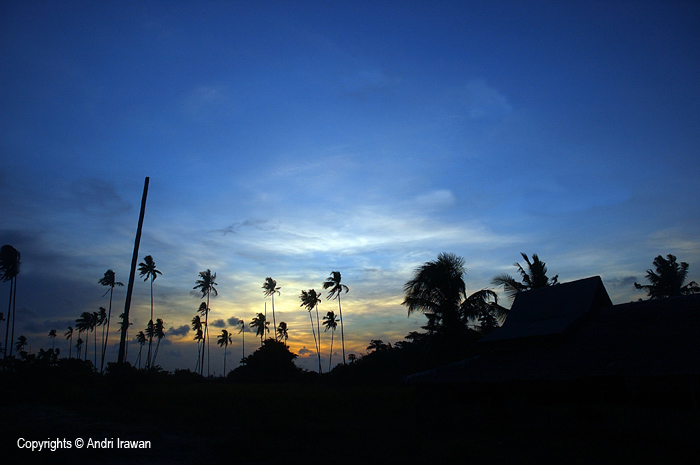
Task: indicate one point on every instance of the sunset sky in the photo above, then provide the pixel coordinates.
(294, 139)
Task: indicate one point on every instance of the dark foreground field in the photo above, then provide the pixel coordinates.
(189, 421)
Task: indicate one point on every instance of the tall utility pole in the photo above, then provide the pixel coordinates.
(130, 288)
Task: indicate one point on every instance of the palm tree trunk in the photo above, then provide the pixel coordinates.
(225, 347)
(206, 340)
(109, 317)
(94, 342)
(318, 327)
(274, 323)
(342, 335)
(330, 358)
(14, 312)
(70, 347)
(155, 353)
(150, 338)
(318, 352)
(7, 330)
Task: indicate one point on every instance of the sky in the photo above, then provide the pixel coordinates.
(292, 139)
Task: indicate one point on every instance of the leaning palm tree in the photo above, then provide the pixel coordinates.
(52, 335)
(148, 269)
(223, 341)
(102, 321)
(141, 339)
(283, 332)
(533, 278)
(336, 288)
(126, 334)
(260, 324)
(205, 284)
(270, 288)
(309, 300)
(9, 269)
(330, 322)
(150, 332)
(109, 280)
(69, 336)
(668, 279)
(159, 331)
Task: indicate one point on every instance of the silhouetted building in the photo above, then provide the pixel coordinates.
(572, 331)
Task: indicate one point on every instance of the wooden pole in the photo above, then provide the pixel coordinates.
(130, 287)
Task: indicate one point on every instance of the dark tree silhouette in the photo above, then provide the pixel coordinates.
(141, 339)
(159, 332)
(52, 335)
(260, 324)
(270, 288)
(69, 335)
(330, 321)
(283, 332)
(534, 277)
(198, 336)
(205, 284)
(309, 300)
(224, 340)
(668, 279)
(272, 362)
(147, 270)
(336, 288)
(9, 269)
(109, 280)
(20, 344)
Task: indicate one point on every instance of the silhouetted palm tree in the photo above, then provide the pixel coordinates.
(141, 339)
(21, 342)
(83, 324)
(102, 321)
(126, 334)
(159, 331)
(78, 345)
(260, 324)
(52, 335)
(198, 336)
(9, 269)
(482, 306)
(148, 269)
(270, 287)
(93, 325)
(205, 284)
(69, 335)
(330, 322)
(336, 288)
(668, 279)
(533, 278)
(223, 341)
(242, 333)
(310, 300)
(283, 332)
(150, 332)
(109, 280)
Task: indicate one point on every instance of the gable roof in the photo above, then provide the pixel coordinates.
(552, 310)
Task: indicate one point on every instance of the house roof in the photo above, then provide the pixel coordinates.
(648, 338)
(551, 310)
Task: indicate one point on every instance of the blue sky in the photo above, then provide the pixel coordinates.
(290, 140)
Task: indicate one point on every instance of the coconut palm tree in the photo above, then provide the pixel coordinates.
(242, 333)
(198, 336)
(94, 318)
(148, 269)
(283, 332)
(260, 324)
(438, 290)
(159, 331)
(534, 277)
(668, 279)
(270, 288)
(150, 332)
(78, 345)
(9, 269)
(83, 324)
(141, 339)
(109, 280)
(52, 335)
(69, 335)
(101, 321)
(330, 322)
(126, 334)
(224, 340)
(309, 300)
(20, 344)
(205, 284)
(336, 288)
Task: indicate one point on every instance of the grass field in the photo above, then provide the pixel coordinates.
(198, 421)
